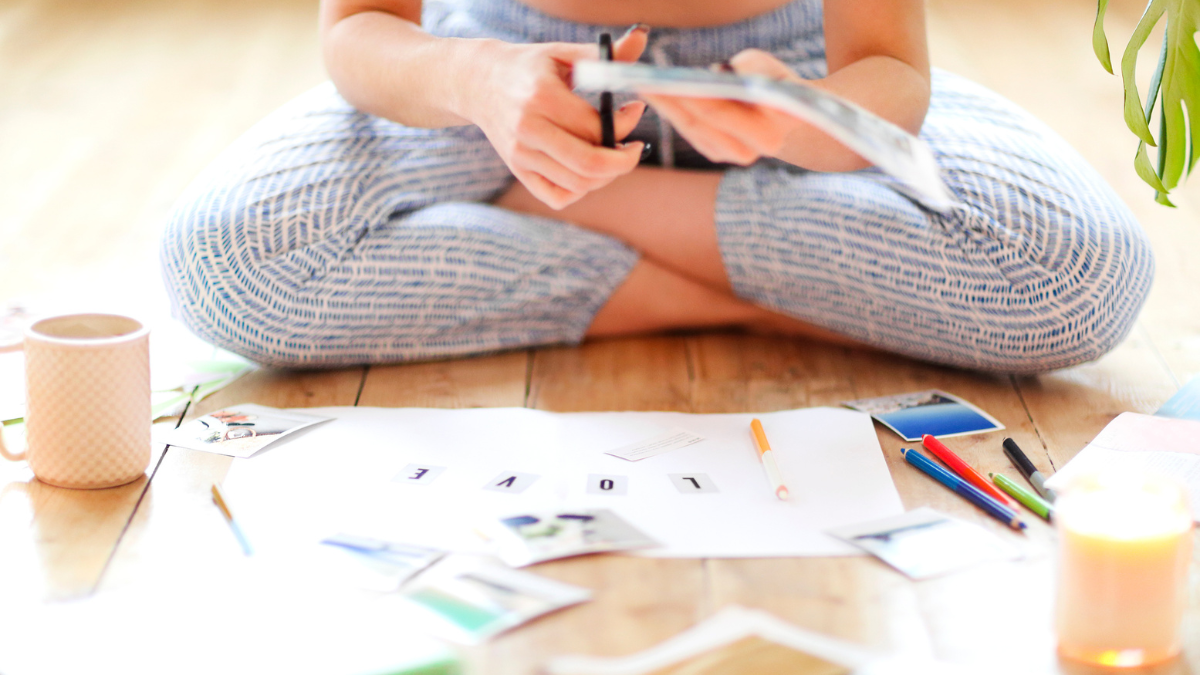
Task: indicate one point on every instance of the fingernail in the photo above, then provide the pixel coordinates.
(637, 27)
(647, 149)
(627, 106)
(726, 66)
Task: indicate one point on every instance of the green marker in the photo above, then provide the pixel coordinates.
(1031, 501)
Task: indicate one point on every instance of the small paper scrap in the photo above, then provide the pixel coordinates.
(671, 440)
(239, 431)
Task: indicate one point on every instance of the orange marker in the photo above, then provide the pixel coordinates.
(768, 459)
(963, 469)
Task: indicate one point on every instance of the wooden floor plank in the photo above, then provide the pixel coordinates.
(739, 373)
(485, 382)
(646, 374)
(56, 541)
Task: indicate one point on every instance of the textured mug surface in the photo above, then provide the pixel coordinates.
(87, 415)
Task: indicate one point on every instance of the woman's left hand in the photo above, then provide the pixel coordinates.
(732, 131)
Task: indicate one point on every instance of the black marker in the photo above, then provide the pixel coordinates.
(1027, 469)
(608, 135)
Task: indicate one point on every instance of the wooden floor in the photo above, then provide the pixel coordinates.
(109, 108)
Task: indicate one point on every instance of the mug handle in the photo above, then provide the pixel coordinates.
(11, 456)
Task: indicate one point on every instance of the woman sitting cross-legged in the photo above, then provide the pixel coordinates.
(447, 194)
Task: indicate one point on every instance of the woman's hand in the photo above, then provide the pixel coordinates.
(732, 131)
(547, 135)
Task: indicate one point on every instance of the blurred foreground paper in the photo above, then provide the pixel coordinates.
(737, 641)
(242, 619)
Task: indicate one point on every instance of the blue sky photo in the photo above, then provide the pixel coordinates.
(938, 419)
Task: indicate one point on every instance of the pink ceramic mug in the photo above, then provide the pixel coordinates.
(87, 403)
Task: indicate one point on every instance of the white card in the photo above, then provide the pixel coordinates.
(607, 484)
(693, 483)
(671, 440)
(419, 474)
(511, 482)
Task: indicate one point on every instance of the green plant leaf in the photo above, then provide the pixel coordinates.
(1135, 117)
(1175, 88)
(1141, 164)
(1156, 80)
(1099, 39)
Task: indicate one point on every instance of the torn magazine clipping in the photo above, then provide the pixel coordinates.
(892, 149)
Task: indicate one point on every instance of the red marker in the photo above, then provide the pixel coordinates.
(963, 469)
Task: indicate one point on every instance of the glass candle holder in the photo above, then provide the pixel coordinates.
(1124, 547)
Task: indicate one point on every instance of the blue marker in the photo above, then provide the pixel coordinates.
(969, 492)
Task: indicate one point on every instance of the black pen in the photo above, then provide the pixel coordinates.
(608, 135)
(1027, 469)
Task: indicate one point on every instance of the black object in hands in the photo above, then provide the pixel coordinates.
(608, 135)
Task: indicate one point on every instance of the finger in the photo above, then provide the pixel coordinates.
(577, 116)
(710, 141)
(626, 119)
(629, 47)
(714, 145)
(570, 52)
(553, 171)
(583, 157)
(758, 62)
(550, 194)
(752, 125)
(581, 119)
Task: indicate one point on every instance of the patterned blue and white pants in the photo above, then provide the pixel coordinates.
(327, 237)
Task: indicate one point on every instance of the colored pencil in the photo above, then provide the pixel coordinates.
(964, 489)
(966, 471)
(1030, 500)
(768, 459)
(1028, 470)
(219, 499)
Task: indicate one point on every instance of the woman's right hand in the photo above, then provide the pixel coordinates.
(547, 135)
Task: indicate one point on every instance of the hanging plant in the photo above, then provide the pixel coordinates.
(1175, 87)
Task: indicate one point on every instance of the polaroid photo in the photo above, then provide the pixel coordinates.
(930, 412)
(373, 564)
(526, 539)
(924, 543)
(470, 600)
(239, 431)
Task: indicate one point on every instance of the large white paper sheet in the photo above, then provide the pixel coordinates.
(338, 477)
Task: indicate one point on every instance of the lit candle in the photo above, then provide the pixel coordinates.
(1125, 544)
